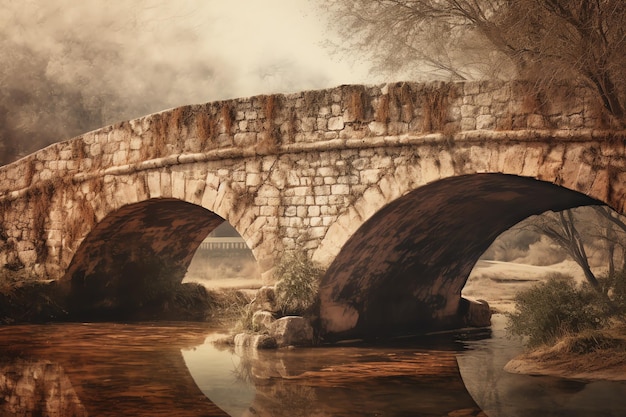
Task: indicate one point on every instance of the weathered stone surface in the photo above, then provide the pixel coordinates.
(477, 312)
(262, 320)
(254, 341)
(305, 175)
(292, 331)
(265, 300)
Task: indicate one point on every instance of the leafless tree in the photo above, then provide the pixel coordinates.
(562, 229)
(545, 40)
(578, 231)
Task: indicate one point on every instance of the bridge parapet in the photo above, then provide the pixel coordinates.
(327, 118)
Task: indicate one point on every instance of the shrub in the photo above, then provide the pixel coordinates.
(297, 284)
(555, 308)
(615, 287)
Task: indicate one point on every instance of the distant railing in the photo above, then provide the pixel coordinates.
(223, 243)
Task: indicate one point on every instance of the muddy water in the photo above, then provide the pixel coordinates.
(109, 369)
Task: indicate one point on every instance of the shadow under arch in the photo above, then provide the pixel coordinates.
(404, 269)
(139, 248)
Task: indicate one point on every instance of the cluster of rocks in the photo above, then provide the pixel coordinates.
(269, 328)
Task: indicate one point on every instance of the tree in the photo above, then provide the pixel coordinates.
(561, 228)
(579, 230)
(543, 40)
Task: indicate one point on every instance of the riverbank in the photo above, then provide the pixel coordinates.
(589, 356)
(45, 302)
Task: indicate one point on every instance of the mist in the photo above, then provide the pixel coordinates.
(71, 67)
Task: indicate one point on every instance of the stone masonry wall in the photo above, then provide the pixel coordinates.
(284, 169)
(262, 124)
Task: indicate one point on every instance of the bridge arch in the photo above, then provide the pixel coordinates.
(405, 267)
(306, 171)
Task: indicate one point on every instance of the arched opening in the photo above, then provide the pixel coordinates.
(224, 260)
(404, 269)
(132, 262)
(579, 244)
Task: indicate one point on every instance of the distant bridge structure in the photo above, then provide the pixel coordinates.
(223, 243)
(397, 189)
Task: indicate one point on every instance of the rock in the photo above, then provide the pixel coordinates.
(262, 320)
(254, 341)
(265, 300)
(476, 313)
(292, 331)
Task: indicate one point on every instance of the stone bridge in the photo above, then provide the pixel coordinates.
(397, 189)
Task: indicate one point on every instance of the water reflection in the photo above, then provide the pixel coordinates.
(501, 394)
(38, 388)
(108, 369)
(101, 369)
(398, 380)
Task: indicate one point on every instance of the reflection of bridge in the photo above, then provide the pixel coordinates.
(101, 369)
(398, 189)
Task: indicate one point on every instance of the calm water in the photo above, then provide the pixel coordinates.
(108, 369)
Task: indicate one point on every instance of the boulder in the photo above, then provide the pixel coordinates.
(265, 300)
(254, 341)
(476, 313)
(262, 320)
(292, 331)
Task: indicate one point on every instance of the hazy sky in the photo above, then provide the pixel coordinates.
(75, 65)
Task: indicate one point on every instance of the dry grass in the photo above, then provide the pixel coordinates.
(590, 355)
(356, 104)
(226, 116)
(40, 199)
(436, 101)
(206, 128)
(84, 218)
(381, 114)
(531, 102)
(270, 107)
(227, 306)
(270, 140)
(78, 149)
(159, 135)
(402, 96)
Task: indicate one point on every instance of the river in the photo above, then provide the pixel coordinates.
(174, 369)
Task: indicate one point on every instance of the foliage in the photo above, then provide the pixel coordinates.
(594, 234)
(614, 286)
(543, 40)
(297, 284)
(556, 308)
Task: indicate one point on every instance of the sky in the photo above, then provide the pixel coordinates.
(72, 66)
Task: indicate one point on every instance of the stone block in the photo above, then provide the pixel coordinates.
(262, 320)
(245, 138)
(369, 176)
(340, 189)
(253, 180)
(536, 121)
(468, 123)
(475, 313)
(377, 128)
(471, 88)
(254, 341)
(485, 121)
(335, 123)
(178, 185)
(292, 331)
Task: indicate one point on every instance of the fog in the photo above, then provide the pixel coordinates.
(70, 67)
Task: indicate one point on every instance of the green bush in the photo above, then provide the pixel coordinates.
(556, 308)
(298, 279)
